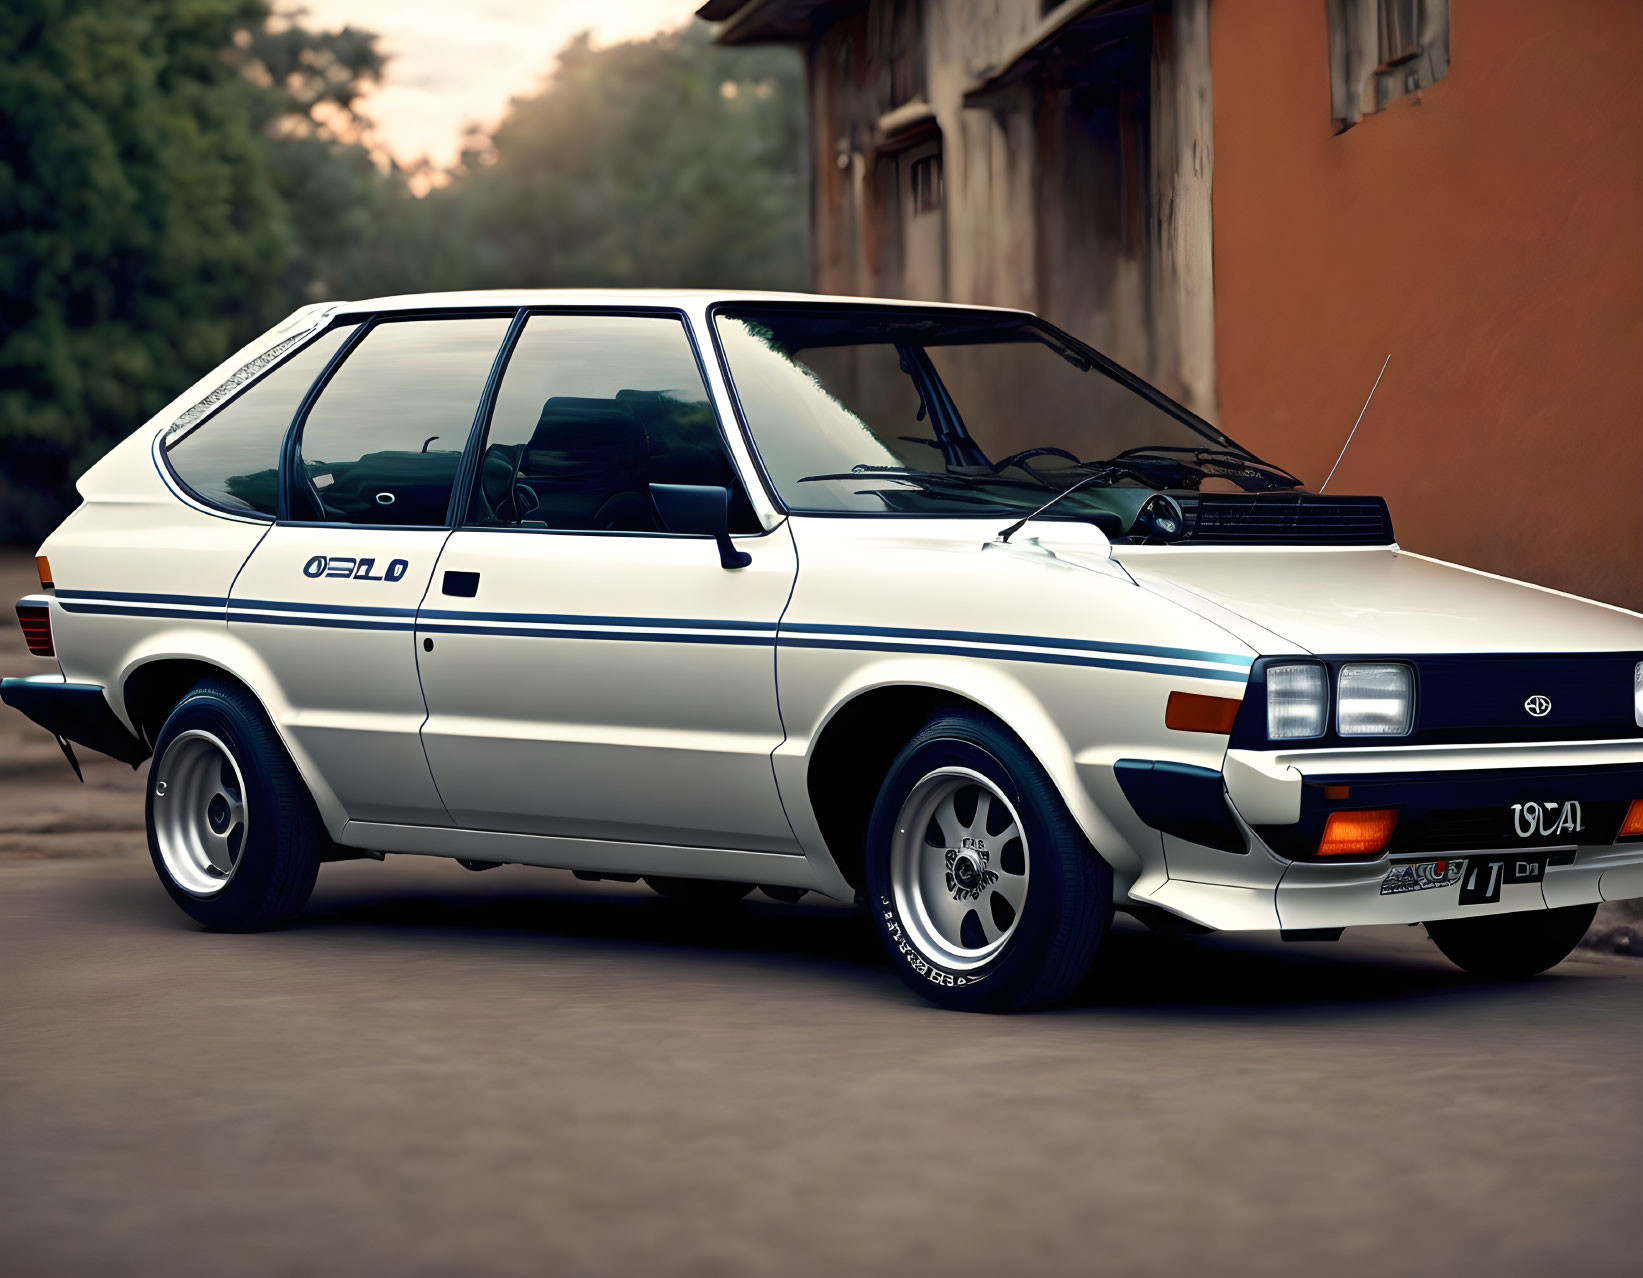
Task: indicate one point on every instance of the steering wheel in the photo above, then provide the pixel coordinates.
(1016, 459)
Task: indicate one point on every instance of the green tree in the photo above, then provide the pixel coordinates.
(665, 162)
(147, 163)
(177, 174)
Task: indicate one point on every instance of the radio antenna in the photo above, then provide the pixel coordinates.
(1355, 424)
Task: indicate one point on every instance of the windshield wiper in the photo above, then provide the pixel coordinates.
(912, 476)
(961, 488)
(1250, 466)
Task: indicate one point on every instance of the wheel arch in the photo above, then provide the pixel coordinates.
(868, 724)
(157, 675)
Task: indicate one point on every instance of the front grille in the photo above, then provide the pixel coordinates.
(1265, 519)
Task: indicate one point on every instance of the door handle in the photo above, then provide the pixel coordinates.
(463, 585)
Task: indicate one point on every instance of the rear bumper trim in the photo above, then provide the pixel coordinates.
(77, 712)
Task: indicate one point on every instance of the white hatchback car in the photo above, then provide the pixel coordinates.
(932, 607)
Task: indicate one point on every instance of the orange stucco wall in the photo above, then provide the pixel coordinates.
(1489, 235)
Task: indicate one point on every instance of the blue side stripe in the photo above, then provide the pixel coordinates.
(274, 605)
(128, 610)
(332, 623)
(577, 619)
(631, 636)
(975, 636)
(1076, 652)
(204, 600)
(1045, 658)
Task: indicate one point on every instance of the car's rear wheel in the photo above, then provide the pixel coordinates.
(1512, 946)
(232, 829)
(697, 891)
(983, 888)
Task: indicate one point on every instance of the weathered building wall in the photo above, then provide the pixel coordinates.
(1077, 186)
(1489, 234)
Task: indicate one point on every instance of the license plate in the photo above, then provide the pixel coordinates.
(1486, 875)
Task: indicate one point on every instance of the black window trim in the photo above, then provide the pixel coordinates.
(461, 497)
(1114, 370)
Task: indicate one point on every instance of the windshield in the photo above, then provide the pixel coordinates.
(949, 412)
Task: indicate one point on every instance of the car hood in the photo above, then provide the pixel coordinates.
(1373, 601)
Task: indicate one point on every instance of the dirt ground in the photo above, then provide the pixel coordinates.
(443, 1073)
(44, 812)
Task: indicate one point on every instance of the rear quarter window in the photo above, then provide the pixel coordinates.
(231, 458)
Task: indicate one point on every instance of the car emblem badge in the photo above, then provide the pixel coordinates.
(1538, 705)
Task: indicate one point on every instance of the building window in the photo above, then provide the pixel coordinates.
(1381, 50)
(924, 177)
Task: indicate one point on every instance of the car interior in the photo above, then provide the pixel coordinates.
(589, 464)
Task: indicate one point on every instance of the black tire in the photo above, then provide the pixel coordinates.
(283, 838)
(1066, 910)
(1506, 947)
(697, 891)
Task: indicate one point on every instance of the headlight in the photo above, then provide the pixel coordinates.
(1637, 693)
(1375, 700)
(1297, 701)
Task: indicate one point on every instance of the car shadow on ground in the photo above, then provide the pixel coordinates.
(1137, 971)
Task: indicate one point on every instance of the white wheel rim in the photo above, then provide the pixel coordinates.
(960, 884)
(200, 812)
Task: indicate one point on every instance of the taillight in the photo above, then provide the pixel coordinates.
(36, 622)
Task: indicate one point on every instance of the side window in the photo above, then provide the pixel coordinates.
(592, 410)
(231, 458)
(384, 439)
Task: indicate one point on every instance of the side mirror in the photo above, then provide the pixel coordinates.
(703, 510)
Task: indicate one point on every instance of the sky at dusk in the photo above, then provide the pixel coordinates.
(452, 63)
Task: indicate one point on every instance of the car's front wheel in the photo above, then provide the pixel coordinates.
(1512, 946)
(982, 886)
(232, 828)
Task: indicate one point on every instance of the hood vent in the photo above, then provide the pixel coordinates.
(1270, 519)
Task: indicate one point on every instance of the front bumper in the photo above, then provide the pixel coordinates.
(1330, 896)
(1539, 823)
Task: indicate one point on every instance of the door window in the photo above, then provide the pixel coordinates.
(231, 459)
(383, 442)
(592, 410)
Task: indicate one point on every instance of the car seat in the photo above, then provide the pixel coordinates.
(586, 464)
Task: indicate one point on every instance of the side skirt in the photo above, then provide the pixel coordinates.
(554, 852)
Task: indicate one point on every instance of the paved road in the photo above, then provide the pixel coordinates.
(445, 1073)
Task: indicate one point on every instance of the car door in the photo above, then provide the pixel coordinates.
(329, 597)
(587, 673)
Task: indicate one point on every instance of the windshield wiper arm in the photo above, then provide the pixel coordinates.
(912, 476)
(1248, 462)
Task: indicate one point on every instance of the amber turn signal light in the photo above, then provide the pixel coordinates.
(1632, 826)
(42, 565)
(1192, 712)
(1358, 833)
